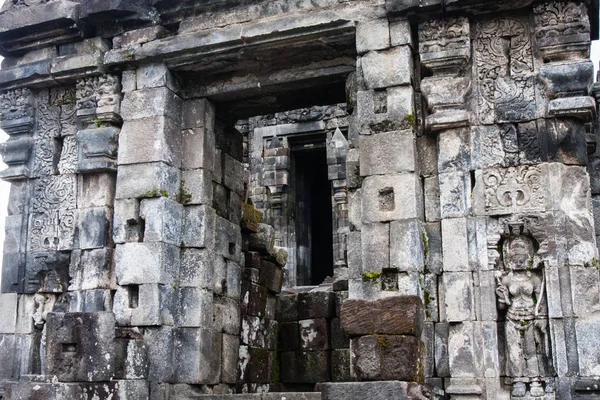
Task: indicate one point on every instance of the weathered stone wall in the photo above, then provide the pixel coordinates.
(470, 190)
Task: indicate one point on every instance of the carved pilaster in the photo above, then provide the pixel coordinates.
(98, 107)
(445, 51)
(17, 119)
(337, 151)
(562, 32)
(276, 172)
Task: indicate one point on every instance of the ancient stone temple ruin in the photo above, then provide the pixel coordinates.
(301, 200)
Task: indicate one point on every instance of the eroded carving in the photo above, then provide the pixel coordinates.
(444, 44)
(562, 29)
(53, 193)
(513, 189)
(68, 156)
(53, 230)
(520, 290)
(504, 71)
(16, 104)
(97, 91)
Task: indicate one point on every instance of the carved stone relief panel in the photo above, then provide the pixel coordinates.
(504, 71)
(515, 189)
(52, 224)
(520, 293)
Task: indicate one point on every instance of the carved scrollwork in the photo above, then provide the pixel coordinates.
(509, 190)
(504, 62)
(54, 192)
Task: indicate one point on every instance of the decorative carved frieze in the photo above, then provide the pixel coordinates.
(515, 189)
(562, 30)
(504, 65)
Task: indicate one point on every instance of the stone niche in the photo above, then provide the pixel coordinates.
(305, 200)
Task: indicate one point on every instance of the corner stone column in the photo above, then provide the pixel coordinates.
(385, 246)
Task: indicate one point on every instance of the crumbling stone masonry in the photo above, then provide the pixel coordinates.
(325, 199)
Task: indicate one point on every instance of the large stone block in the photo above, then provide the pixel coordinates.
(94, 227)
(8, 312)
(315, 305)
(144, 305)
(199, 227)
(399, 315)
(151, 102)
(96, 190)
(387, 68)
(408, 244)
(197, 268)
(7, 352)
(162, 220)
(80, 346)
(455, 245)
(375, 249)
(131, 356)
(588, 343)
(372, 35)
(97, 149)
(163, 356)
(229, 354)
(228, 239)
(154, 75)
(457, 297)
(226, 315)
(96, 269)
(305, 366)
(137, 263)
(387, 153)
(147, 180)
(271, 276)
(192, 354)
(127, 224)
(383, 390)
(233, 174)
(375, 358)
(194, 308)
(154, 139)
(391, 197)
(197, 186)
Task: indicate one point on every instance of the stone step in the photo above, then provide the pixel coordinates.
(261, 396)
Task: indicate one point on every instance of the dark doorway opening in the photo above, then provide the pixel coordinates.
(313, 216)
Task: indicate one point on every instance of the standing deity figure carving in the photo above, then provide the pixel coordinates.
(520, 290)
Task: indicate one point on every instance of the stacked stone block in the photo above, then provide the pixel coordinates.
(385, 188)
(312, 344)
(259, 367)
